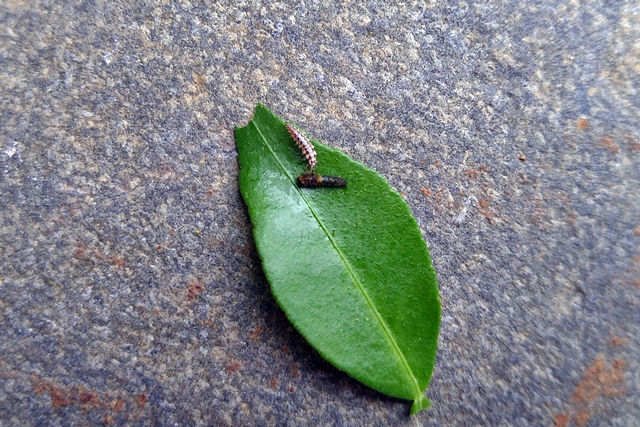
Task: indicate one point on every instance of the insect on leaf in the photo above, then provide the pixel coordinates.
(348, 266)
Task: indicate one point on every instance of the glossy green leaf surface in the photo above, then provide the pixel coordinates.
(348, 266)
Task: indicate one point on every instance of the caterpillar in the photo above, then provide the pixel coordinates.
(305, 146)
(311, 179)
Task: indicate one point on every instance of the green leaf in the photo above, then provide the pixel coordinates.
(348, 266)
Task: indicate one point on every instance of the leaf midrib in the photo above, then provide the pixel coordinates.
(351, 271)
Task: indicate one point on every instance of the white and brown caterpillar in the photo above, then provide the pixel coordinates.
(311, 179)
(305, 146)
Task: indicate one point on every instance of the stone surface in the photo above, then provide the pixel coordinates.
(130, 288)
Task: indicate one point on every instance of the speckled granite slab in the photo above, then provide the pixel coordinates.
(130, 289)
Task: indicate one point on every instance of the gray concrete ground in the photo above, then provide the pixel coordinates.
(130, 288)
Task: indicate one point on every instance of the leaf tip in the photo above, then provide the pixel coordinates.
(261, 107)
(418, 405)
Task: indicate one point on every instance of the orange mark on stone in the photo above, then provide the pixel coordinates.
(425, 191)
(80, 254)
(636, 231)
(142, 399)
(59, 398)
(590, 397)
(233, 366)
(41, 387)
(582, 123)
(293, 368)
(255, 335)
(90, 398)
(117, 405)
(636, 283)
(487, 214)
(618, 341)
(484, 210)
(635, 145)
(582, 417)
(117, 261)
(472, 173)
(610, 144)
(599, 380)
(194, 289)
(561, 420)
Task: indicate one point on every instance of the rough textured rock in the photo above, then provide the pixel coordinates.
(130, 289)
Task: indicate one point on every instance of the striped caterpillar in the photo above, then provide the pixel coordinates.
(305, 146)
(311, 179)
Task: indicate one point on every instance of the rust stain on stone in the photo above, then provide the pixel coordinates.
(582, 123)
(600, 383)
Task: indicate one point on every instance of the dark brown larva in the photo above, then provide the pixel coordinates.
(311, 179)
(305, 146)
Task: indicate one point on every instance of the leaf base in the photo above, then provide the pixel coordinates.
(420, 404)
